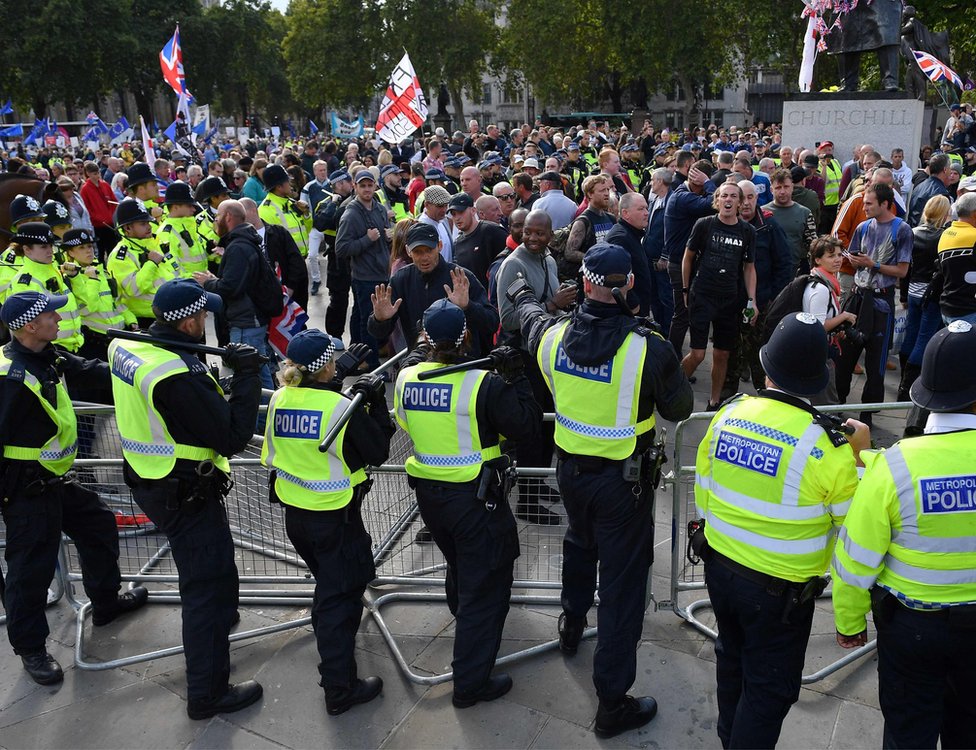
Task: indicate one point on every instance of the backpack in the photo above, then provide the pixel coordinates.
(789, 300)
(566, 270)
(326, 216)
(266, 293)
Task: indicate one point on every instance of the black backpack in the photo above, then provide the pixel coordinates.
(789, 300)
(266, 293)
(326, 217)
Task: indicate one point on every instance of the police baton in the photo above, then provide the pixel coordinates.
(357, 399)
(118, 333)
(474, 364)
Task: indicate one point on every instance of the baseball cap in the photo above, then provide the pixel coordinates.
(422, 234)
(966, 184)
(824, 144)
(444, 322)
(21, 308)
(312, 350)
(364, 174)
(388, 169)
(606, 264)
(338, 176)
(460, 202)
(180, 298)
(435, 174)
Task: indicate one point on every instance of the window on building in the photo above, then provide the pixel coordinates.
(486, 93)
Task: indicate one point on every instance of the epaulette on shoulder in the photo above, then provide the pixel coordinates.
(120, 252)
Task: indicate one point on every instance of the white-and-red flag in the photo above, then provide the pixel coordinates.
(404, 108)
(149, 152)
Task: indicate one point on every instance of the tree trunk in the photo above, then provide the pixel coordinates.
(689, 99)
(615, 90)
(144, 107)
(122, 111)
(638, 93)
(69, 111)
(458, 101)
(40, 106)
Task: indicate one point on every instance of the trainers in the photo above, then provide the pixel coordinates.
(570, 633)
(43, 668)
(496, 687)
(630, 713)
(712, 407)
(423, 536)
(238, 696)
(340, 700)
(314, 291)
(531, 512)
(130, 601)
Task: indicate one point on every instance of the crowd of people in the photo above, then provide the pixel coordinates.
(583, 263)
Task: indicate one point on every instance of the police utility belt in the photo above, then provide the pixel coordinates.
(190, 495)
(644, 466)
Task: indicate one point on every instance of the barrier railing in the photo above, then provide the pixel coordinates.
(687, 577)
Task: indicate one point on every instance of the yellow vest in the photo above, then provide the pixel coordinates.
(280, 211)
(147, 445)
(47, 279)
(596, 406)
(99, 307)
(440, 416)
(911, 529)
(298, 420)
(772, 487)
(137, 277)
(832, 184)
(181, 238)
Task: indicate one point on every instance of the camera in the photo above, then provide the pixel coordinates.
(851, 333)
(518, 289)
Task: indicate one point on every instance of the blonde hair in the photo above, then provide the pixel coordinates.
(384, 158)
(293, 375)
(936, 211)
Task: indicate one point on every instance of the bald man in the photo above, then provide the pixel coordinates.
(471, 182)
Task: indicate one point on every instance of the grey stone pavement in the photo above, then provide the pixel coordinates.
(552, 704)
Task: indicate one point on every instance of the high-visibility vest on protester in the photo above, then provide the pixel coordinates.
(401, 209)
(298, 420)
(281, 211)
(440, 415)
(181, 237)
(98, 302)
(911, 529)
(58, 453)
(596, 405)
(772, 487)
(46, 278)
(137, 277)
(832, 184)
(147, 445)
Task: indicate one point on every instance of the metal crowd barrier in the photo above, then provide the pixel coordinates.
(686, 577)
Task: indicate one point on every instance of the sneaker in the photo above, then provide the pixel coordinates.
(496, 687)
(340, 700)
(130, 601)
(43, 668)
(712, 407)
(314, 291)
(570, 633)
(238, 696)
(630, 713)
(423, 536)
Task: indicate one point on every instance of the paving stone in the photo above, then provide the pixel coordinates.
(222, 735)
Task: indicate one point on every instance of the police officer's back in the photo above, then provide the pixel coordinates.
(907, 552)
(177, 432)
(773, 480)
(607, 372)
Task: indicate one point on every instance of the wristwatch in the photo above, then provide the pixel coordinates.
(877, 266)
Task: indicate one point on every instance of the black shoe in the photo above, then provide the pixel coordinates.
(340, 700)
(630, 713)
(712, 407)
(496, 687)
(532, 512)
(43, 668)
(130, 601)
(423, 536)
(692, 379)
(238, 696)
(315, 288)
(570, 633)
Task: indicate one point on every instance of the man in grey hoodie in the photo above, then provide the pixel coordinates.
(364, 238)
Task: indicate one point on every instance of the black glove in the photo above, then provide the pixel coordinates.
(350, 360)
(243, 359)
(507, 362)
(373, 388)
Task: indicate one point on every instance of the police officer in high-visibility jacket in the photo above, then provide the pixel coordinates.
(323, 497)
(456, 422)
(773, 481)
(179, 233)
(907, 553)
(607, 372)
(40, 498)
(278, 207)
(23, 209)
(177, 431)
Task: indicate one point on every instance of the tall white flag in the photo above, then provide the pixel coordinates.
(149, 153)
(404, 108)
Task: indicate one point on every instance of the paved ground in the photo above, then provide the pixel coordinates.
(552, 704)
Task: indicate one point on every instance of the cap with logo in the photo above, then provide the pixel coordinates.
(76, 238)
(56, 214)
(210, 188)
(25, 208)
(421, 234)
(460, 202)
(34, 233)
(131, 210)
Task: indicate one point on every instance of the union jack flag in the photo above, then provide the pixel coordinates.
(936, 70)
(171, 61)
(292, 321)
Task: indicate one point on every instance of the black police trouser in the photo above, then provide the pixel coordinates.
(338, 551)
(204, 555)
(927, 678)
(480, 547)
(34, 526)
(759, 658)
(338, 280)
(679, 321)
(611, 527)
(537, 453)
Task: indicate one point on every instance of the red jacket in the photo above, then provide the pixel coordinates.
(100, 202)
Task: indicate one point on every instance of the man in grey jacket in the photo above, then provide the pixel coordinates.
(364, 238)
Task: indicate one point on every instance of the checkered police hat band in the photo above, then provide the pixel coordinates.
(27, 239)
(593, 278)
(458, 342)
(29, 314)
(186, 312)
(321, 361)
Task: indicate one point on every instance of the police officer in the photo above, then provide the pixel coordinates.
(136, 263)
(323, 495)
(392, 195)
(40, 498)
(907, 552)
(23, 209)
(179, 233)
(279, 208)
(210, 193)
(141, 185)
(773, 482)
(606, 372)
(455, 422)
(57, 217)
(177, 432)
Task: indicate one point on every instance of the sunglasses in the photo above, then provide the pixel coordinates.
(506, 197)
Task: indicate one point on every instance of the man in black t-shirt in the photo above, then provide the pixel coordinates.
(479, 243)
(721, 247)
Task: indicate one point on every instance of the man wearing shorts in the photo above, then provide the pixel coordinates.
(721, 249)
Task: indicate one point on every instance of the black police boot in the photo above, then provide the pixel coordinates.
(909, 374)
(238, 696)
(424, 536)
(315, 288)
(629, 713)
(130, 601)
(496, 687)
(340, 700)
(43, 668)
(570, 633)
